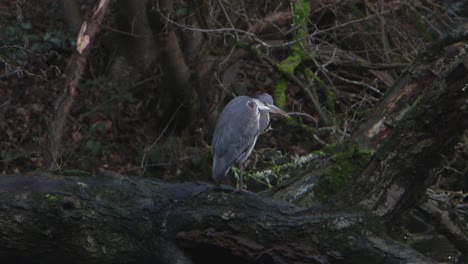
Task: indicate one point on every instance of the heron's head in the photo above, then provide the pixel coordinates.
(265, 103)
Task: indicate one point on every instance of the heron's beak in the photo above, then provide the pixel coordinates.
(274, 109)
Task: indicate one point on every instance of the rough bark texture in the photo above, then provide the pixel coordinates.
(423, 116)
(429, 130)
(111, 218)
(173, 64)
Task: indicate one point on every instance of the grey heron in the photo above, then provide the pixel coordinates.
(239, 125)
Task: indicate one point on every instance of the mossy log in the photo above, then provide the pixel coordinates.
(109, 218)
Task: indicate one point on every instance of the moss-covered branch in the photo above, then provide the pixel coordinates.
(109, 218)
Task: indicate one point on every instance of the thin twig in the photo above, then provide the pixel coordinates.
(228, 19)
(425, 19)
(144, 159)
(254, 37)
(357, 83)
(304, 114)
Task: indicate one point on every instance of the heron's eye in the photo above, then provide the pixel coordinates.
(251, 104)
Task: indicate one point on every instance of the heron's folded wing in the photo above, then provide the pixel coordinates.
(236, 131)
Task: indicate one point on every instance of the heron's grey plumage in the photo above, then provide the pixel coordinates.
(232, 139)
(264, 116)
(237, 130)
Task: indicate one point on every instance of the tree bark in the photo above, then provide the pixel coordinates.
(73, 72)
(418, 123)
(428, 129)
(111, 218)
(174, 67)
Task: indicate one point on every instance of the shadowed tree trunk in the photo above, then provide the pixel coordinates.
(72, 75)
(176, 72)
(72, 15)
(111, 218)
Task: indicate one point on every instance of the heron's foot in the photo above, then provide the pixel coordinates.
(242, 191)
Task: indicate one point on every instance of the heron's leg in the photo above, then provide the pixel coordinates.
(241, 182)
(241, 178)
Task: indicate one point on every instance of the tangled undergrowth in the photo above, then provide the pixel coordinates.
(333, 60)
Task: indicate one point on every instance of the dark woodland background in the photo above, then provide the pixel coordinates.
(159, 72)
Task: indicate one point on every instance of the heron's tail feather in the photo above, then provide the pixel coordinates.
(220, 169)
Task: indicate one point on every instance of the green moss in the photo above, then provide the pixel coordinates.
(347, 161)
(330, 98)
(356, 10)
(330, 148)
(320, 83)
(52, 198)
(289, 65)
(301, 10)
(280, 93)
(300, 126)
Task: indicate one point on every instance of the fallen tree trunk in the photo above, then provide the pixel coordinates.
(111, 218)
(428, 131)
(418, 123)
